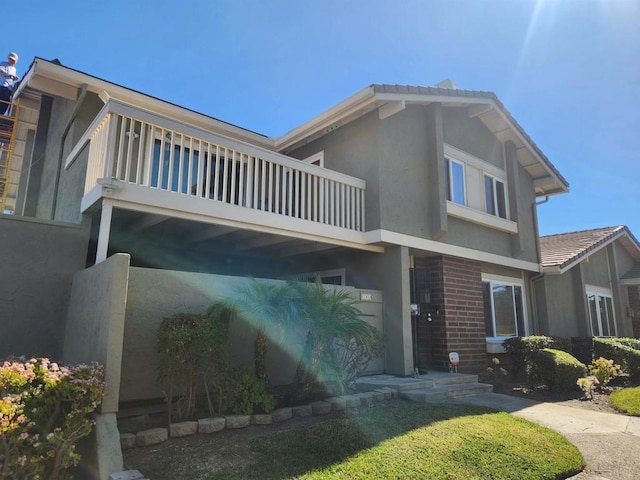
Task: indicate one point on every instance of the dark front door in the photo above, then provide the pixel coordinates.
(421, 317)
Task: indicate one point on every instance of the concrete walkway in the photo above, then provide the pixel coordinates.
(610, 443)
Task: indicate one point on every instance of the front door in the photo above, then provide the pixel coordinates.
(419, 279)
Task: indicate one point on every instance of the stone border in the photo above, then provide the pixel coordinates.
(216, 424)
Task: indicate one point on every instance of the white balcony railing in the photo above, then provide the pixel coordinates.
(134, 146)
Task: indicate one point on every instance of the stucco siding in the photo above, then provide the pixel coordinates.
(471, 136)
(38, 259)
(596, 270)
(561, 305)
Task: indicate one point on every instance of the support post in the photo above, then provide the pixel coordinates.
(104, 231)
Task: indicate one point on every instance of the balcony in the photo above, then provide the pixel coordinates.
(141, 161)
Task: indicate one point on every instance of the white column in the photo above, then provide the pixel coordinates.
(103, 233)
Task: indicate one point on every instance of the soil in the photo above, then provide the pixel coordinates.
(199, 456)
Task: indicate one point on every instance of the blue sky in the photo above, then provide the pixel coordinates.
(567, 70)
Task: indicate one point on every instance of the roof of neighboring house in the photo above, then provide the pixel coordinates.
(562, 251)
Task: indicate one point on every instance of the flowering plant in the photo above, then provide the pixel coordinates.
(44, 410)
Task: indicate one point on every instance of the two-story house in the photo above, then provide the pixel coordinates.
(426, 194)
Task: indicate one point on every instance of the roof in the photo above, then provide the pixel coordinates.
(562, 251)
(390, 99)
(454, 92)
(54, 78)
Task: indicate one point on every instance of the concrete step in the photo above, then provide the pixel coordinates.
(428, 380)
(445, 392)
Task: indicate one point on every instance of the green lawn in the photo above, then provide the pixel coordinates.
(399, 439)
(627, 400)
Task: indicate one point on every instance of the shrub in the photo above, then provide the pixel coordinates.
(521, 349)
(191, 348)
(559, 370)
(604, 370)
(44, 410)
(582, 349)
(620, 351)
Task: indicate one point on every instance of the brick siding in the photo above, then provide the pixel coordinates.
(456, 292)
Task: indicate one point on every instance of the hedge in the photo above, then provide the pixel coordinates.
(623, 351)
(557, 369)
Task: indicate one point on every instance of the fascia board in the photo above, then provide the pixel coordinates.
(329, 117)
(97, 85)
(534, 152)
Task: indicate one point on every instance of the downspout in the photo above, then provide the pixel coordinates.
(63, 139)
(539, 276)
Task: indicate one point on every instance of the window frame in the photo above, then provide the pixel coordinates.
(511, 282)
(495, 197)
(451, 181)
(477, 214)
(606, 294)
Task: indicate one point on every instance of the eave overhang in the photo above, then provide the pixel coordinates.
(391, 99)
(57, 80)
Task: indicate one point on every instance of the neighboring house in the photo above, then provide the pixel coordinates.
(591, 284)
(426, 194)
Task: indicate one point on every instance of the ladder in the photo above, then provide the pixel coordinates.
(7, 142)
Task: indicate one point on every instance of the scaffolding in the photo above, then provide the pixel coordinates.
(7, 141)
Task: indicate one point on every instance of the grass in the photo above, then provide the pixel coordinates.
(401, 439)
(627, 400)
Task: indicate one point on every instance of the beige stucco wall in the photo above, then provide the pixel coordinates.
(156, 294)
(37, 262)
(393, 156)
(95, 322)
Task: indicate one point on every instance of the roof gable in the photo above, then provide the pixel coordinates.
(563, 251)
(391, 99)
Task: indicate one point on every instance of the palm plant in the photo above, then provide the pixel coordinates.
(339, 343)
(267, 307)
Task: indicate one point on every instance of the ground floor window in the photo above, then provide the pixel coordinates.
(504, 312)
(601, 313)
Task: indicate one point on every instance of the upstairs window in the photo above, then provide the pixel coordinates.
(477, 190)
(495, 203)
(455, 182)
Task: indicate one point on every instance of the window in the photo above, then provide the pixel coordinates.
(455, 182)
(601, 314)
(504, 313)
(495, 203)
(477, 190)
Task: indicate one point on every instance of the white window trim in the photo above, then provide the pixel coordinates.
(464, 157)
(473, 215)
(315, 159)
(481, 218)
(450, 162)
(339, 272)
(601, 292)
(513, 281)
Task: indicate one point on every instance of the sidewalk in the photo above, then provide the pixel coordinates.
(610, 443)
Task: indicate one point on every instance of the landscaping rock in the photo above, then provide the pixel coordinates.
(127, 440)
(126, 475)
(337, 403)
(302, 411)
(182, 429)
(386, 392)
(151, 437)
(211, 425)
(282, 414)
(320, 408)
(377, 396)
(351, 401)
(238, 421)
(261, 419)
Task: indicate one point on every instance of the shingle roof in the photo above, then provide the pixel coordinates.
(455, 92)
(561, 249)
